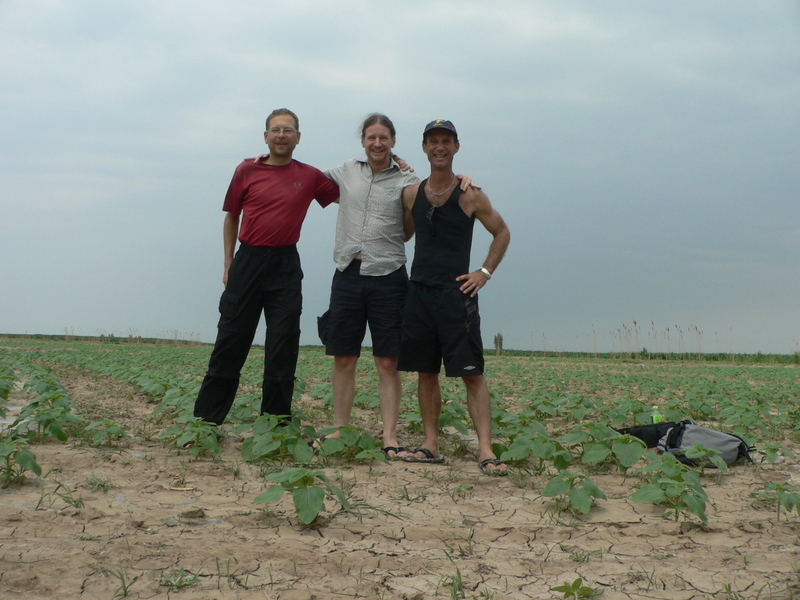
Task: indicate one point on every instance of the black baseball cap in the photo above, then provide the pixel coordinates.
(440, 124)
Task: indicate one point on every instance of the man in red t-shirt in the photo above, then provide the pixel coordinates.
(272, 196)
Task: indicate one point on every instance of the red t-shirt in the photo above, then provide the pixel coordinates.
(275, 200)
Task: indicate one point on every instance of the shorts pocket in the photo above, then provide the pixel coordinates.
(471, 316)
(323, 327)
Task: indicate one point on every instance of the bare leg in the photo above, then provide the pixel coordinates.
(430, 407)
(344, 390)
(389, 392)
(480, 411)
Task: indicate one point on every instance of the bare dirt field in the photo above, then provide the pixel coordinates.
(146, 521)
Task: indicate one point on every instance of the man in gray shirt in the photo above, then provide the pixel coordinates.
(370, 282)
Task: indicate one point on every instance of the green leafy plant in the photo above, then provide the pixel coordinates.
(577, 590)
(573, 491)
(533, 444)
(772, 451)
(106, 432)
(705, 456)
(7, 381)
(353, 443)
(674, 485)
(195, 434)
(598, 443)
(49, 414)
(275, 439)
(784, 495)
(307, 495)
(454, 415)
(265, 440)
(180, 399)
(16, 459)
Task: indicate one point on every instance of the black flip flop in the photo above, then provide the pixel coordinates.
(396, 449)
(428, 458)
(484, 465)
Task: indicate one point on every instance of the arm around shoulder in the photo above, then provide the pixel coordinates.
(409, 194)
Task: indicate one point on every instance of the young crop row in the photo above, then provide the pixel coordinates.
(48, 412)
(554, 419)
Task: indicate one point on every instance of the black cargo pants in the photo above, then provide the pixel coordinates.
(267, 279)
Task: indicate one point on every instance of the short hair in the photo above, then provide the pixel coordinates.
(284, 111)
(377, 119)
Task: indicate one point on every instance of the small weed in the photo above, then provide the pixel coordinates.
(521, 479)
(177, 579)
(408, 497)
(581, 556)
(730, 594)
(98, 484)
(233, 578)
(469, 548)
(454, 583)
(235, 469)
(460, 492)
(125, 583)
(546, 554)
(650, 577)
(61, 491)
(449, 475)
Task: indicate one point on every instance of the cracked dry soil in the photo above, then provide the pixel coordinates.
(173, 526)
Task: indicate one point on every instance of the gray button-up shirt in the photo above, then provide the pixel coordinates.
(370, 218)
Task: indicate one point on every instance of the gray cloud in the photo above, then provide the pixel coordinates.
(644, 154)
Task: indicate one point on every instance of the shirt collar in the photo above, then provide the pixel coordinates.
(392, 164)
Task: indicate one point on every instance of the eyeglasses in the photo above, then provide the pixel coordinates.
(429, 217)
(282, 130)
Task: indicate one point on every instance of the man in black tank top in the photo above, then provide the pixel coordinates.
(441, 322)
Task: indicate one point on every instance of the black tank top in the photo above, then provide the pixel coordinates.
(443, 240)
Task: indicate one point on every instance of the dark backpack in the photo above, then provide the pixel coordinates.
(682, 436)
(649, 434)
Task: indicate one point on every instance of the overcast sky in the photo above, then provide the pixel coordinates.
(645, 154)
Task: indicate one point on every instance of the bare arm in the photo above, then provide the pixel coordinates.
(230, 232)
(477, 204)
(409, 193)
